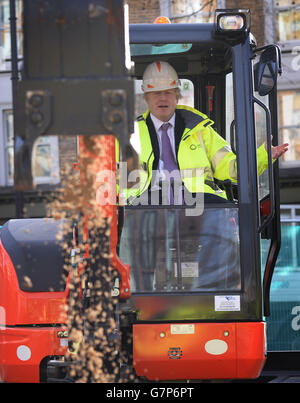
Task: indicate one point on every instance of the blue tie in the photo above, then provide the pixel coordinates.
(167, 156)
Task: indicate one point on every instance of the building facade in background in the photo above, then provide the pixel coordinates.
(272, 21)
(51, 153)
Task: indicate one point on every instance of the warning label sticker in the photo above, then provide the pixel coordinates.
(183, 329)
(188, 269)
(227, 303)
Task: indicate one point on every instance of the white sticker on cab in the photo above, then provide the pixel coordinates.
(183, 329)
(227, 303)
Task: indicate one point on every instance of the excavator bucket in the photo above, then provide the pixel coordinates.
(74, 78)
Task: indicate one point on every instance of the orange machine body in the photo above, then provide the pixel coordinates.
(199, 350)
(29, 326)
(32, 323)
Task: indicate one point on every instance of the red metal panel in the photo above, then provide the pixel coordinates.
(99, 154)
(251, 341)
(207, 351)
(22, 350)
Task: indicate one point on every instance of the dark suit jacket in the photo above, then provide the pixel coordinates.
(178, 131)
(179, 128)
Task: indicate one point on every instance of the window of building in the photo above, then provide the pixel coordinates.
(187, 11)
(5, 45)
(288, 20)
(289, 120)
(45, 161)
(8, 145)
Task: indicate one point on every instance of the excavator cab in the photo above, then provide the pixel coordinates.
(198, 299)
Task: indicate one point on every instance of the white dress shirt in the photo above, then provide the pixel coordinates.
(157, 125)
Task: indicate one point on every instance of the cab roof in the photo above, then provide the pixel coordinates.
(200, 48)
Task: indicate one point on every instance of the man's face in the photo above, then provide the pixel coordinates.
(162, 104)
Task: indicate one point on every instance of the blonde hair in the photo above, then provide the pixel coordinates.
(177, 92)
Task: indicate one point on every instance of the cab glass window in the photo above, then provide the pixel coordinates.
(260, 120)
(168, 251)
(229, 131)
(143, 49)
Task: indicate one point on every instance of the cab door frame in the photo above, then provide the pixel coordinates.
(249, 217)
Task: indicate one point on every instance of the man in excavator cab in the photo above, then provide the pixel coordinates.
(184, 161)
(179, 139)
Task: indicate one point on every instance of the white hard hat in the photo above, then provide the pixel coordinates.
(159, 76)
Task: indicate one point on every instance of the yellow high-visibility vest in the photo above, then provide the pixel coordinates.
(202, 155)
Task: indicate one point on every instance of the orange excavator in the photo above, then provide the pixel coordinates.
(167, 312)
